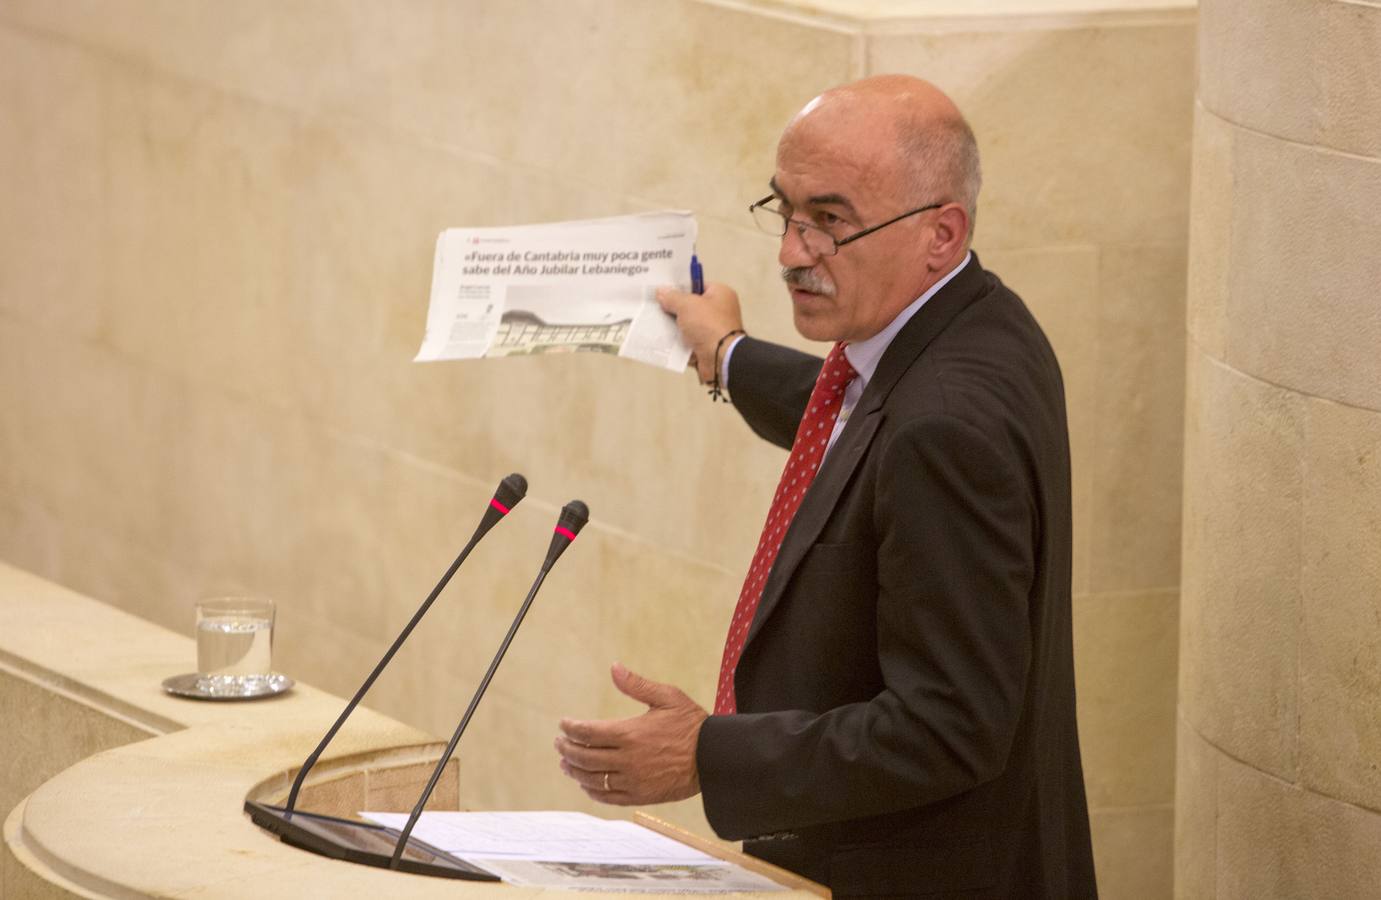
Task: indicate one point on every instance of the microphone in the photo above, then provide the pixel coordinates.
(508, 494)
(573, 517)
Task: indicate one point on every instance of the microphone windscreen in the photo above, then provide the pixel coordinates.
(574, 515)
(511, 490)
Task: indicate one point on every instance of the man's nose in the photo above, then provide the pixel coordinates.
(793, 252)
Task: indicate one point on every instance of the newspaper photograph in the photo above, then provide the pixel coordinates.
(641, 878)
(561, 287)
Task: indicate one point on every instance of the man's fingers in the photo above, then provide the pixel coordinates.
(591, 759)
(671, 299)
(602, 786)
(593, 734)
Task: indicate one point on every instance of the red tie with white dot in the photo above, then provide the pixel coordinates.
(812, 436)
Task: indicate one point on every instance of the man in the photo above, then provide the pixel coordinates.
(896, 709)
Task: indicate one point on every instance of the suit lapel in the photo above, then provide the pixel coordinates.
(849, 450)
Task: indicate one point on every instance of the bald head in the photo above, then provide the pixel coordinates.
(902, 129)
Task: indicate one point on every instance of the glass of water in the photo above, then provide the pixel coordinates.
(234, 645)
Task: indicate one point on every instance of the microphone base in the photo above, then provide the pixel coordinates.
(360, 842)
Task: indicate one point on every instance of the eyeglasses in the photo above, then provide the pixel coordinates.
(818, 240)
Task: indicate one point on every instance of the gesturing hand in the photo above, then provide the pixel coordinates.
(648, 758)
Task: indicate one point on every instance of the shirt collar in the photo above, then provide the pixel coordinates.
(864, 356)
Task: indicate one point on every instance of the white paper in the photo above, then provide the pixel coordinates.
(560, 287)
(576, 851)
(563, 836)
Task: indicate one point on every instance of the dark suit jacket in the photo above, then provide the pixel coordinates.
(906, 695)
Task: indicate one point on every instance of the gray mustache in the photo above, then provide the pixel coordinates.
(806, 279)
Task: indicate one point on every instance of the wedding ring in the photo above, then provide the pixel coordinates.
(606, 782)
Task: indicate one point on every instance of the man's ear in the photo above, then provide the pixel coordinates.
(951, 232)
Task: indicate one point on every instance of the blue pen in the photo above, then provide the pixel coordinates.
(697, 276)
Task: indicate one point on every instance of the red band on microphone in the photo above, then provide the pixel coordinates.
(499, 506)
(570, 535)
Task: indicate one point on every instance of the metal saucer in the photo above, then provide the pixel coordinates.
(197, 688)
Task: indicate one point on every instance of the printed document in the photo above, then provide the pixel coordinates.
(576, 850)
(561, 287)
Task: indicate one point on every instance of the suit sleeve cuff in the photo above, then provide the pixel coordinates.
(724, 361)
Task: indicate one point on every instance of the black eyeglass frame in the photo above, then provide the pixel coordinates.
(838, 242)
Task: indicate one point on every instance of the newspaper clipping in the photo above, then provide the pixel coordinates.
(562, 287)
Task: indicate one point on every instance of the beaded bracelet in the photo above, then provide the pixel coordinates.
(716, 390)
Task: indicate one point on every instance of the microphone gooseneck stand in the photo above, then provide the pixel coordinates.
(510, 491)
(573, 517)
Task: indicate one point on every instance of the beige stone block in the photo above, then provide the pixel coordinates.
(103, 563)
(1196, 814)
(52, 248)
(1124, 655)
(1340, 655)
(1132, 852)
(343, 796)
(640, 76)
(1084, 153)
(1299, 71)
(1138, 440)
(1302, 310)
(1259, 65)
(244, 260)
(1212, 202)
(1348, 51)
(1244, 445)
(261, 45)
(398, 788)
(29, 534)
(74, 445)
(1060, 286)
(48, 731)
(1276, 840)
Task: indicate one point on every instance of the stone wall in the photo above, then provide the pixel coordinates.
(1279, 785)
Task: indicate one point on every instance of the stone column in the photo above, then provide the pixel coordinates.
(1278, 792)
